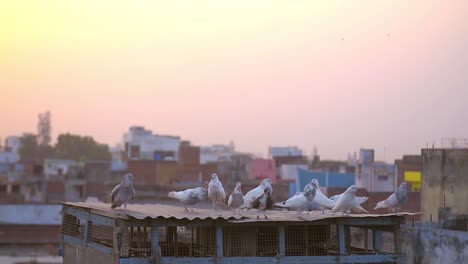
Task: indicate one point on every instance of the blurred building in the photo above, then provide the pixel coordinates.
(142, 144)
(409, 169)
(215, 153)
(444, 188)
(262, 168)
(373, 175)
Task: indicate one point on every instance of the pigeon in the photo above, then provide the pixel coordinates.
(216, 191)
(358, 208)
(236, 199)
(189, 196)
(396, 200)
(262, 203)
(123, 192)
(300, 202)
(256, 192)
(348, 200)
(321, 199)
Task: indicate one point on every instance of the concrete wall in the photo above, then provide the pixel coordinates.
(430, 245)
(444, 180)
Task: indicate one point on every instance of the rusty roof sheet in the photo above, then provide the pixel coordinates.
(153, 211)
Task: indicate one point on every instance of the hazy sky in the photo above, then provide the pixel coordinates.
(338, 75)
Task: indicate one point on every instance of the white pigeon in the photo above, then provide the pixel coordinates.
(321, 199)
(216, 191)
(123, 192)
(257, 191)
(348, 200)
(189, 196)
(396, 200)
(236, 199)
(302, 201)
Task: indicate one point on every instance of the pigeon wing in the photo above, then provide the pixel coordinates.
(114, 192)
(323, 200)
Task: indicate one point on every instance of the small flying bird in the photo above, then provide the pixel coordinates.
(395, 201)
(300, 202)
(189, 196)
(216, 191)
(236, 199)
(256, 192)
(321, 199)
(123, 192)
(348, 200)
(262, 203)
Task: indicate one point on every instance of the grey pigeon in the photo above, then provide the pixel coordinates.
(348, 200)
(300, 202)
(396, 200)
(189, 196)
(123, 192)
(216, 191)
(262, 203)
(320, 198)
(236, 199)
(256, 192)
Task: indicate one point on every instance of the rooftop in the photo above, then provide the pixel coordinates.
(153, 211)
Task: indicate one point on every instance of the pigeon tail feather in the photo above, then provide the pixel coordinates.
(382, 204)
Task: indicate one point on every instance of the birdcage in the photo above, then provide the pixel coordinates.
(94, 233)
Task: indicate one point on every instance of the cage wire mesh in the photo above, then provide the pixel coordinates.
(73, 226)
(311, 240)
(371, 239)
(137, 242)
(100, 234)
(187, 241)
(260, 241)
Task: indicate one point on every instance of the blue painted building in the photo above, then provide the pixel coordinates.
(94, 233)
(326, 179)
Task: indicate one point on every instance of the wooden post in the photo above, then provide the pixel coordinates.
(282, 241)
(155, 247)
(219, 241)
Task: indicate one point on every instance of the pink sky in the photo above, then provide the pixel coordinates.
(338, 75)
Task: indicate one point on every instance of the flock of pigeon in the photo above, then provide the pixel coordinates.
(260, 197)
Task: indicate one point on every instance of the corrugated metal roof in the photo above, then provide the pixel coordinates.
(142, 211)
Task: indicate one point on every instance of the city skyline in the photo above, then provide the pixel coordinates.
(339, 76)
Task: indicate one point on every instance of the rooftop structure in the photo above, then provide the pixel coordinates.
(168, 234)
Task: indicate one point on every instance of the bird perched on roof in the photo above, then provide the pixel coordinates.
(302, 201)
(216, 191)
(396, 200)
(356, 209)
(348, 200)
(262, 203)
(123, 192)
(236, 199)
(256, 192)
(321, 199)
(189, 196)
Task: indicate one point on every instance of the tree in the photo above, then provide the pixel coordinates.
(44, 129)
(31, 151)
(77, 147)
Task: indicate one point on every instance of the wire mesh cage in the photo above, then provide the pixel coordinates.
(370, 239)
(311, 240)
(260, 241)
(137, 241)
(187, 241)
(100, 234)
(73, 226)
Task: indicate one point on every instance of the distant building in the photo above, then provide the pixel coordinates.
(65, 180)
(409, 169)
(215, 153)
(373, 175)
(326, 180)
(262, 168)
(444, 188)
(13, 144)
(142, 144)
(289, 172)
(291, 151)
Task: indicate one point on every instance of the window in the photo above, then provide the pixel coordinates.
(3, 188)
(382, 178)
(15, 188)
